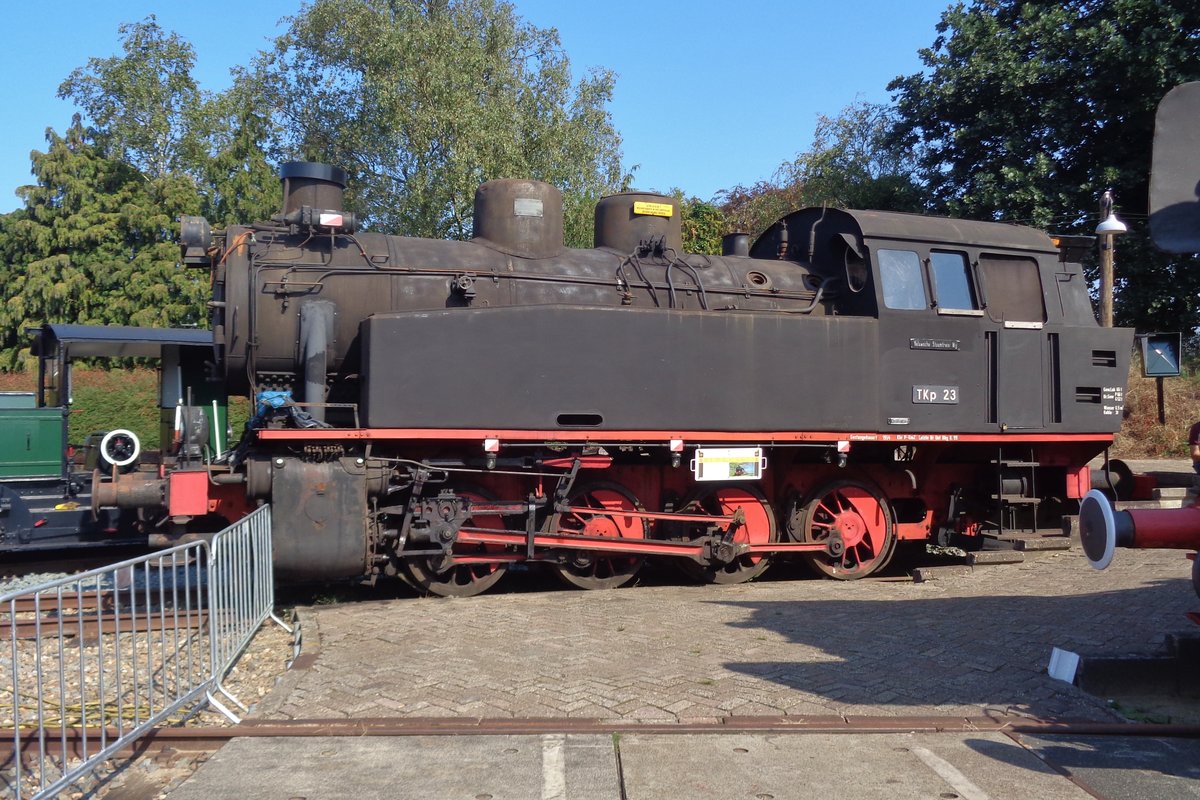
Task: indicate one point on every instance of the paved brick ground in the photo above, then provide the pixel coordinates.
(968, 644)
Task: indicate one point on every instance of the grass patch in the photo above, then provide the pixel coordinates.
(1135, 712)
(1141, 434)
(119, 398)
(103, 400)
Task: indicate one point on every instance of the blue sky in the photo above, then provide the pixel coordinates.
(709, 94)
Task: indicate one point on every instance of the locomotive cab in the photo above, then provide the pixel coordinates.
(981, 326)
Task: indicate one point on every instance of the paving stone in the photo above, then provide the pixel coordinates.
(956, 645)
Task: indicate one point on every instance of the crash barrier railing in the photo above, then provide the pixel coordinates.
(241, 586)
(95, 660)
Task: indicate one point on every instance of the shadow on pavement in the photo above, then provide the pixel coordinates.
(1110, 766)
(976, 651)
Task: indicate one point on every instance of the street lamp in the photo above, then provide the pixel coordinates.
(1106, 230)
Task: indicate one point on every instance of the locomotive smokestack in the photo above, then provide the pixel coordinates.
(307, 183)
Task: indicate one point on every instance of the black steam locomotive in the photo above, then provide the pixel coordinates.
(442, 410)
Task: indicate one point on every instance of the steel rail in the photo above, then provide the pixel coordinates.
(68, 564)
(92, 626)
(174, 741)
(88, 600)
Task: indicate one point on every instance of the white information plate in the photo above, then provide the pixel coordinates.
(729, 463)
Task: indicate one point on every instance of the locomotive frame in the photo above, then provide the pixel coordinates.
(439, 411)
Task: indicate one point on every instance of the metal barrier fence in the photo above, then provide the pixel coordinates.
(95, 660)
(242, 593)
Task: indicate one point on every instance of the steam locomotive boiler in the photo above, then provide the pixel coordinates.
(443, 410)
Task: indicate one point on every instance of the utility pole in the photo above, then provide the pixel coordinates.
(1108, 228)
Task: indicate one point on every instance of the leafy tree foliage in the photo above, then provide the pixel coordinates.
(143, 104)
(853, 162)
(146, 110)
(235, 177)
(1027, 110)
(703, 224)
(752, 209)
(95, 240)
(423, 100)
(93, 244)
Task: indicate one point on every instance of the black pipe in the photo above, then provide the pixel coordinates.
(316, 335)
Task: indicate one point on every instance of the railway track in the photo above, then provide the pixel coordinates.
(88, 614)
(210, 738)
(172, 742)
(85, 601)
(14, 566)
(89, 627)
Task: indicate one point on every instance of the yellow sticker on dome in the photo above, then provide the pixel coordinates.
(654, 209)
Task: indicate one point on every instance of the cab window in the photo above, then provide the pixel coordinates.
(952, 286)
(903, 284)
(1013, 287)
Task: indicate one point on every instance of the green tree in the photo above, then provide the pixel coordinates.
(236, 178)
(144, 108)
(422, 100)
(94, 244)
(142, 105)
(702, 223)
(752, 209)
(854, 163)
(1027, 111)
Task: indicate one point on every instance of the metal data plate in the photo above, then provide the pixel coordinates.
(942, 395)
(729, 464)
(527, 207)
